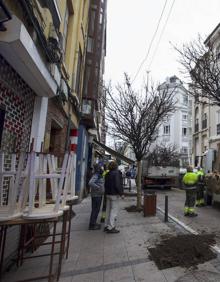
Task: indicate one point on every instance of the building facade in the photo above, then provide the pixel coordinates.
(206, 120)
(91, 119)
(43, 48)
(176, 129)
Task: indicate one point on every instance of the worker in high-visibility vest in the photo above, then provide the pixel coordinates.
(200, 202)
(190, 180)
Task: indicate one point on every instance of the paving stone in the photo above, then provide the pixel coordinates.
(200, 276)
(148, 272)
(172, 274)
(119, 274)
(90, 277)
(207, 266)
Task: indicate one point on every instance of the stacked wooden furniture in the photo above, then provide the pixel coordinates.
(30, 200)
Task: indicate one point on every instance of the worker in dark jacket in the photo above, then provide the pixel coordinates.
(200, 201)
(96, 184)
(190, 180)
(113, 190)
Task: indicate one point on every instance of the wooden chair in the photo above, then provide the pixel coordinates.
(39, 207)
(10, 180)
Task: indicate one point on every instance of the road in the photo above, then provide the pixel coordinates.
(208, 219)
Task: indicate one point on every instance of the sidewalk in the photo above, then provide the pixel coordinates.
(95, 256)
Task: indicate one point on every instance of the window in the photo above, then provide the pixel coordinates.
(65, 28)
(166, 130)
(185, 100)
(204, 121)
(87, 80)
(184, 131)
(218, 117)
(184, 150)
(185, 117)
(204, 116)
(173, 79)
(78, 76)
(92, 23)
(218, 53)
(90, 44)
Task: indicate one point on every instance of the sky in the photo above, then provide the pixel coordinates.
(130, 28)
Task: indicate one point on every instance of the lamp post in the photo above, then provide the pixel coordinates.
(5, 15)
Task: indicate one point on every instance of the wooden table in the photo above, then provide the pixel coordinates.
(23, 244)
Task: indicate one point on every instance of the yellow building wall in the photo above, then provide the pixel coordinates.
(77, 38)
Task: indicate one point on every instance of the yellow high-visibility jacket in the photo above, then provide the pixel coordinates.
(190, 178)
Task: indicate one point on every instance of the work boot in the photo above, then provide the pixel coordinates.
(105, 229)
(113, 230)
(192, 214)
(95, 227)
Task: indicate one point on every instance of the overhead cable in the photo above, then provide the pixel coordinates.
(161, 34)
(152, 40)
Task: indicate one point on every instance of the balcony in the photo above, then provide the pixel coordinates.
(218, 129)
(196, 127)
(204, 123)
(22, 54)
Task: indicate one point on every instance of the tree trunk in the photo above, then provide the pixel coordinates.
(139, 174)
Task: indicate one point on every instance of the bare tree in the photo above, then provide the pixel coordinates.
(200, 61)
(134, 117)
(163, 155)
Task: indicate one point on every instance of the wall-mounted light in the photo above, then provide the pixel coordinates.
(5, 15)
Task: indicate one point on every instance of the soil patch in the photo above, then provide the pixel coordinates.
(133, 208)
(183, 250)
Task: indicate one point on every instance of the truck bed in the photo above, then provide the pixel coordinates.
(162, 182)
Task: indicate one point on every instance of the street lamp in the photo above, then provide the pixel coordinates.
(4, 15)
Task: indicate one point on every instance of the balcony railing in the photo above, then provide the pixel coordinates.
(204, 123)
(218, 129)
(196, 127)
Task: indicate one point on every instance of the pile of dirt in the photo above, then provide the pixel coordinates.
(133, 208)
(183, 250)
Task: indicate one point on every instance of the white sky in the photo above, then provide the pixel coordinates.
(130, 28)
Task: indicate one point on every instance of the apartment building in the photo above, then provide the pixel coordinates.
(92, 112)
(176, 129)
(42, 65)
(206, 119)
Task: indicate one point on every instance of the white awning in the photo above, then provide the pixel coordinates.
(113, 152)
(18, 48)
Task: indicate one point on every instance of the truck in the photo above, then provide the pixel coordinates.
(210, 166)
(163, 177)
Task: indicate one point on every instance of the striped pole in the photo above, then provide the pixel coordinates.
(73, 140)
